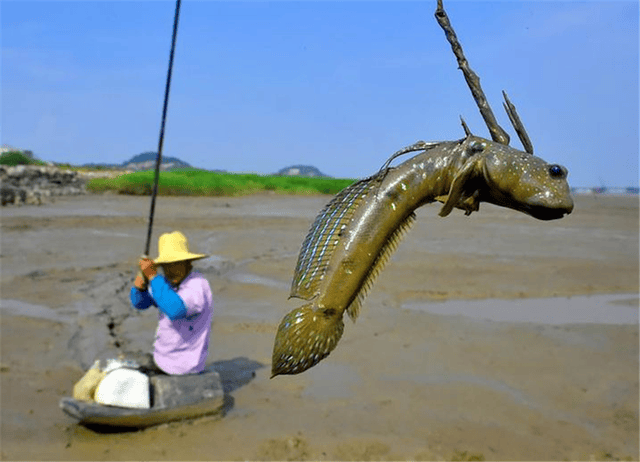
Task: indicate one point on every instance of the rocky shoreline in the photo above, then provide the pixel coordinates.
(36, 185)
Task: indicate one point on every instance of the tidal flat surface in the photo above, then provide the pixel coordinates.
(493, 335)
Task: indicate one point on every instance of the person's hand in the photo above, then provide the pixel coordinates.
(141, 282)
(148, 268)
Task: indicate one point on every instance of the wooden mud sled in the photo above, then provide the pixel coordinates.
(173, 397)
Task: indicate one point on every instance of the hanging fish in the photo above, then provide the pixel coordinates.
(355, 234)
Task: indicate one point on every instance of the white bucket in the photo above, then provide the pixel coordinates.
(125, 388)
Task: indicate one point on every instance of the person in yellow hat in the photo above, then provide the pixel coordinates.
(185, 305)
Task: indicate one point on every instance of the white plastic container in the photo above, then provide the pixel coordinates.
(124, 387)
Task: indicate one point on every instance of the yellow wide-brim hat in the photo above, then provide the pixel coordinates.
(173, 247)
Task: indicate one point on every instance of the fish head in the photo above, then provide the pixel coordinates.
(305, 337)
(501, 175)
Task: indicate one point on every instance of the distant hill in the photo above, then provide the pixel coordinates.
(144, 161)
(301, 170)
(147, 161)
(151, 156)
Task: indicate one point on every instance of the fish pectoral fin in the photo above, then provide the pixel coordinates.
(459, 186)
(468, 204)
(471, 203)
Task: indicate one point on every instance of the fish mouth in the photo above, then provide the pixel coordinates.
(547, 213)
(539, 209)
(550, 208)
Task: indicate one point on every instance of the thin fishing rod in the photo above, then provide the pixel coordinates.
(154, 193)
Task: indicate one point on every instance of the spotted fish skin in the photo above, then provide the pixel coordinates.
(304, 329)
(356, 233)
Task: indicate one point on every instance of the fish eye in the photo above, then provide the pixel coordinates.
(556, 171)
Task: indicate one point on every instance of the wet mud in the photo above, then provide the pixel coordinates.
(492, 336)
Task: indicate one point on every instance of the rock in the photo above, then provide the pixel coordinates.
(9, 194)
(35, 184)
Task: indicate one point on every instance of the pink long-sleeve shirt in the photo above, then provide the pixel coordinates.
(181, 345)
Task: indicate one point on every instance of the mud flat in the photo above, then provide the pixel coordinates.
(493, 336)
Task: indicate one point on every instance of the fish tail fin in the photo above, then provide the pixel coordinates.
(305, 337)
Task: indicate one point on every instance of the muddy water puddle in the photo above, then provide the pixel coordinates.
(20, 308)
(592, 309)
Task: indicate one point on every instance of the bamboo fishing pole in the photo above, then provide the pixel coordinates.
(154, 192)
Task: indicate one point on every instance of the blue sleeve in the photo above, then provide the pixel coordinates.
(140, 299)
(167, 300)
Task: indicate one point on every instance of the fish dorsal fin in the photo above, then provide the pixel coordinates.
(323, 237)
(383, 257)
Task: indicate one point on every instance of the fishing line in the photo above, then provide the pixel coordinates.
(154, 193)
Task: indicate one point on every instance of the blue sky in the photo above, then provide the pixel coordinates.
(341, 85)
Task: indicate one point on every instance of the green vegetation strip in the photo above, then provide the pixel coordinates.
(194, 182)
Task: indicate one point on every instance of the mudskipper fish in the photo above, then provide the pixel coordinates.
(355, 234)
